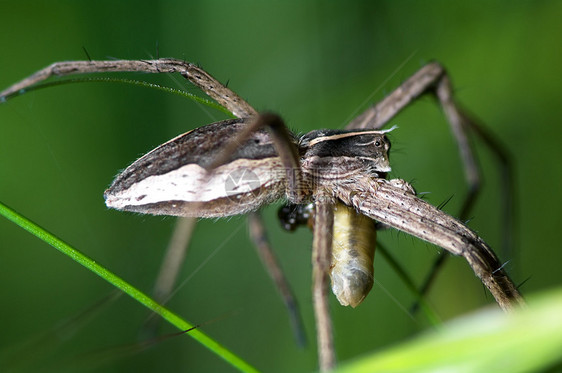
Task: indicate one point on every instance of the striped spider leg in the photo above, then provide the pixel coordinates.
(433, 79)
(332, 169)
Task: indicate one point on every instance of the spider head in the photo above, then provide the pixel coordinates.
(356, 150)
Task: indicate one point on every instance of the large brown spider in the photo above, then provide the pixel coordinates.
(236, 166)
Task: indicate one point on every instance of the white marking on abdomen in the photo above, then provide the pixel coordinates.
(192, 183)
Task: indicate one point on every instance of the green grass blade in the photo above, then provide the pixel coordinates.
(121, 284)
(529, 340)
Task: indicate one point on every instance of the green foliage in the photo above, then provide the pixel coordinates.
(528, 340)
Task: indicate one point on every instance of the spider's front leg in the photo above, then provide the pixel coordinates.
(394, 203)
(433, 79)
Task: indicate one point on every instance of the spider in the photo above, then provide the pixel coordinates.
(334, 180)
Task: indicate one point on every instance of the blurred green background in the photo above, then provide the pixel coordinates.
(315, 63)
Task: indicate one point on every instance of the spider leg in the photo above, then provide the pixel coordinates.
(269, 260)
(175, 254)
(169, 269)
(212, 88)
(321, 259)
(433, 79)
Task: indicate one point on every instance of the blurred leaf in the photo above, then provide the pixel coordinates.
(488, 341)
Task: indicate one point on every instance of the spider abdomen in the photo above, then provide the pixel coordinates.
(174, 179)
